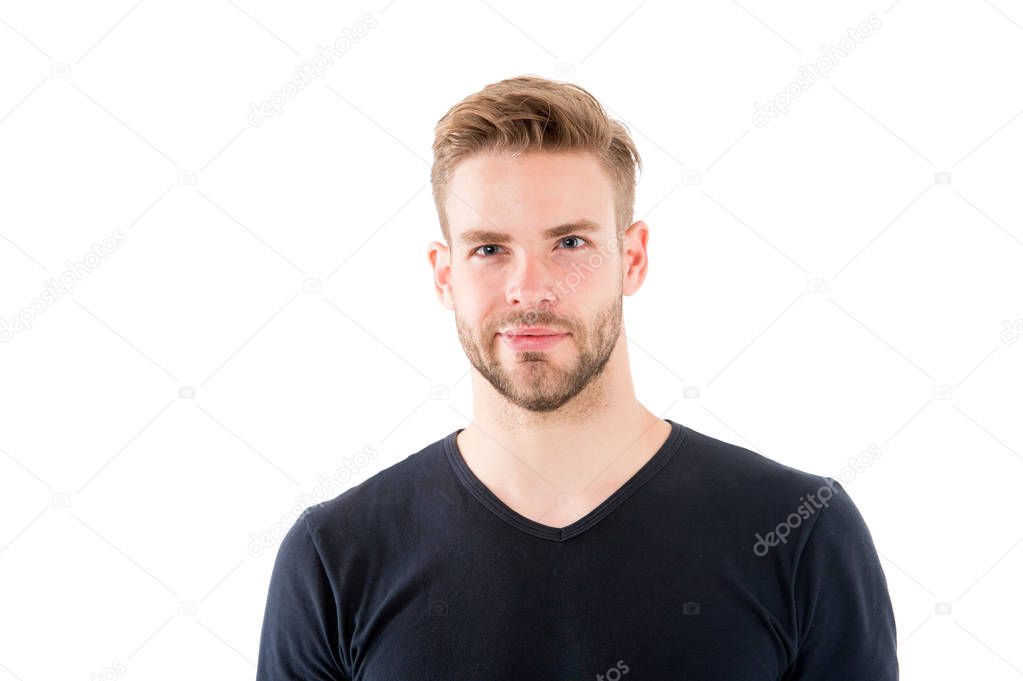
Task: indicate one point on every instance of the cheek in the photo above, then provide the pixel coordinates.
(478, 293)
(469, 309)
(486, 276)
(593, 278)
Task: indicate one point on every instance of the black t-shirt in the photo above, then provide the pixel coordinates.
(712, 562)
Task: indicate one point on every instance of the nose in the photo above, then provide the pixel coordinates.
(529, 283)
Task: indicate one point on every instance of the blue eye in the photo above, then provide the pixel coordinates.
(478, 249)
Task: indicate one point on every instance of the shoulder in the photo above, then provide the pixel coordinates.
(386, 498)
(735, 470)
(762, 495)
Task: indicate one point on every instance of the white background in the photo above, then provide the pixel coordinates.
(815, 281)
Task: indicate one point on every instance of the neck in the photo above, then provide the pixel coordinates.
(599, 436)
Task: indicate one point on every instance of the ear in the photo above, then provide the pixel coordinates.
(440, 262)
(634, 257)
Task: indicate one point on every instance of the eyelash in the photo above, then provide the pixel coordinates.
(571, 236)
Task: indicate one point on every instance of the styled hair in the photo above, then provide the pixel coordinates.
(530, 114)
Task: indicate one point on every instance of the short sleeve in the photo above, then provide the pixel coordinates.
(299, 637)
(845, 622)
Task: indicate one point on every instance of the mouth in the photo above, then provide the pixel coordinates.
(533, 340)
(533, 331)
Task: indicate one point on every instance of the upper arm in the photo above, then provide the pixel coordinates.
(845, 622)
(299, 636)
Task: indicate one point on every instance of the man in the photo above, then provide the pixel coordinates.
(567, 532)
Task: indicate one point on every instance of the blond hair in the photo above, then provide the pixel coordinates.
(527, 114)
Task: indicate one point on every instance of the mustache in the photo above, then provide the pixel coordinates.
(560, 325)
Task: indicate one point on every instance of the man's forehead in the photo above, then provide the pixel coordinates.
(498, 198)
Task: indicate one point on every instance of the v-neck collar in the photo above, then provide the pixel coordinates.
(559, 534)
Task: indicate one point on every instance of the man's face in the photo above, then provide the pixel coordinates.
(549, 269)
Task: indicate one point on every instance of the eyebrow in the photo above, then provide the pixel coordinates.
(486, 236)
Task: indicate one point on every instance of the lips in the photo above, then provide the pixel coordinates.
(532, 331)
(532, 338)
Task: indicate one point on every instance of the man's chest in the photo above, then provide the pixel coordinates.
(510, 615)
